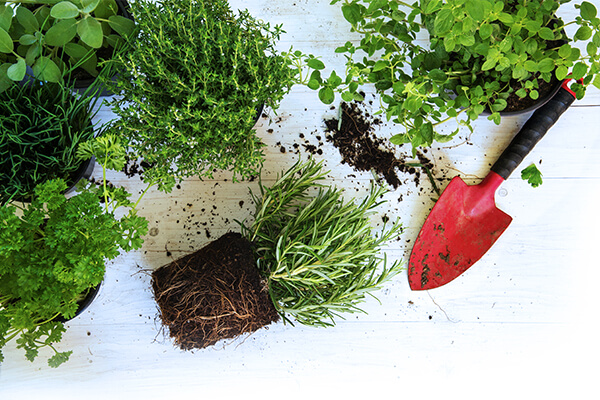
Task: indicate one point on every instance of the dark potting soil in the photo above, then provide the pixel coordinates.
(360, 148)
(212, 294)
(515, 103)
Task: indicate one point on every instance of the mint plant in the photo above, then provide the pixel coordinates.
(481, 55)
(58, 37)
(191, 86)
(54, 249)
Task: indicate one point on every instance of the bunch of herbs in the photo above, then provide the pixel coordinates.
(192, 85)
(42, 125)
(317, 252)
(58, 37)
(480, 55)
(54, 250)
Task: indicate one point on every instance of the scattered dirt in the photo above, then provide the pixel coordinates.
(360, 148)
(212, 294)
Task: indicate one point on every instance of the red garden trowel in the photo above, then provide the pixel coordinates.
(465, 221)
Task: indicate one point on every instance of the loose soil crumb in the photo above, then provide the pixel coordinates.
(360, 148)
(212, 294)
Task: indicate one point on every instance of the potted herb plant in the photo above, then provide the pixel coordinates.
(190, 87)
(59, 37)
(53, 252)
(308, 256)
(480, 55)
(42, 125)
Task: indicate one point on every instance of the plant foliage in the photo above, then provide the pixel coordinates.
(42, 125)
(53, 250)
(318, 252)
(54, 37)
(479, 53)
(192, 85)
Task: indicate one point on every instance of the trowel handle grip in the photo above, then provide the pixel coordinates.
(533, 131)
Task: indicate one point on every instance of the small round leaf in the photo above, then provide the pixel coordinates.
(61, 33)
(46, 70)
(16, 72)
(64, 10)
(90, 32)
(6, 42)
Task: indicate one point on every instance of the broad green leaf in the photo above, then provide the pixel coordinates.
(90, 32)
(45, 69)
(432, 6)
(33, 53)
(531, 66)
(583, 33)
(27, 39)
(546, 65)
(587, 11)
(326, 95)
(89, 5)
(546, 33)
(380, 65)
(27, 19)
(64, 10)
(443, 21)
(75, 50)
(5, 81)
(400, 139)
(488, 64)
(106, 8)
(6, 16)
(351, 13)
(562, 72)
(475, 10)
(16, 72)
(579, 70)
(313, 84)
(485, 31)
(564, 51)
(123, 26)
(596, 81)
(376, 4)
(61, 33)
(438, 76)
(6, 42)
(532, 175)
(315, 64)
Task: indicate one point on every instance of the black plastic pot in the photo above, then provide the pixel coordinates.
(84, 303)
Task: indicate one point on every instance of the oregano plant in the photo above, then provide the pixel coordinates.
(480, 56)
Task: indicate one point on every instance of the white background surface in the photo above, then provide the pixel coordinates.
(520, 323)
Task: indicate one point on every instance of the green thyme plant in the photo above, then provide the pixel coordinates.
(54, 250)
(42, 125)
(318, 253)
(480, 54)
(191, 86)
(57, 37)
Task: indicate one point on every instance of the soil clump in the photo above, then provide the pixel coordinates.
(360, 148)
(212, 294)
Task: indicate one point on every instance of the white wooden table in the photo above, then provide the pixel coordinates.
(522, 321)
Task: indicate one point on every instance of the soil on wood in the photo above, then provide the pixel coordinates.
(361, 149)
(212, 294)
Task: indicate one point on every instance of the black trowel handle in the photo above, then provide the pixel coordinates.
(533, 131)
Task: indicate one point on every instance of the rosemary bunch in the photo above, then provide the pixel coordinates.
(317, 251)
